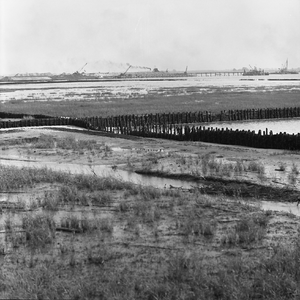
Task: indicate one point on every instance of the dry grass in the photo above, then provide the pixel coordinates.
(214, 102)
(153, 246)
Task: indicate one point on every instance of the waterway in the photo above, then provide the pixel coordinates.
(102, 171)
(290, 207)
(289, 126)
(105, 91)
(127, 176)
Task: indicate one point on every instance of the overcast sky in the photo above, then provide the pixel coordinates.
(62, 35)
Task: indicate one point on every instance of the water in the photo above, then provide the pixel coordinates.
(107, 171)
(290, 126)
(105, 91)
(102, 171)
(290, 207)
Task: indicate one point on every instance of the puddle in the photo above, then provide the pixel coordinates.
(290, 207)
(118, 149)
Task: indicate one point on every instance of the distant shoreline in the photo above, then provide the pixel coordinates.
(89, 80)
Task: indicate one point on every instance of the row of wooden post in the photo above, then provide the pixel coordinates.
(175, 126)
(104, 123)
(125, 121)
(226, 136)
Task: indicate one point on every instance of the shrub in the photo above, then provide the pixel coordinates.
(248, 230)
(149, 193)
(45, 141)
(50, 201)
(295, 169)
(106, 225)
(124, 206)
(82, 225)
(40, 230)
(239, 167)
(196, 225)
(101, 198)
(255, 167)
(68, 194)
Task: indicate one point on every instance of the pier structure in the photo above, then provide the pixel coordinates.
(220, 73)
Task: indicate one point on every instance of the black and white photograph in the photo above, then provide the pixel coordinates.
(150, 149)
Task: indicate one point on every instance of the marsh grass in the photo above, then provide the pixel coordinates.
(293, 175)
(124, 206)
(292, 178)
(210, 165)
(197, 227)
(153, 157)
(93, 183)
(173, 193)
(102, 198)
(247, 231)
(204, 201)
(254, 166)
(181, 274)
(14, 178)
(257, 167)
(47, 141)
(8, 223)
(49, 201)
(149, 193)
(39, 229)
(106, 225)
(151, 104)
(282, 166)
(239, 167)
(262, 175)
(147, 212)
(146, 166)
(197, 224)
(17, 239)
(271, 278)
(295, 169)
(130, 192)
(78, 224)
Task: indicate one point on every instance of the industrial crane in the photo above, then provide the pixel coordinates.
(77, 72)
(186, 70)
(122, 74)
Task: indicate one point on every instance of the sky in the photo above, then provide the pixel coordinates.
(63, 35)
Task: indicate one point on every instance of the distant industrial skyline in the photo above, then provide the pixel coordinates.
(62, 35)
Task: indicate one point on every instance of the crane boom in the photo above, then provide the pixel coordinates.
(126, 71)
(185, 72)
(82, 68)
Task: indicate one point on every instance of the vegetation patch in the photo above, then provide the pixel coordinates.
(39, 229)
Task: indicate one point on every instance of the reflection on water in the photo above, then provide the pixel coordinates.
(289, 207)
(103, 171)
(290, 126)
(105, 91)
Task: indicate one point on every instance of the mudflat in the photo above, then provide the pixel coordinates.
(72, 227)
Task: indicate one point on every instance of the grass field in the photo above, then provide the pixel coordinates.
(214, 102)
(98, 239)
